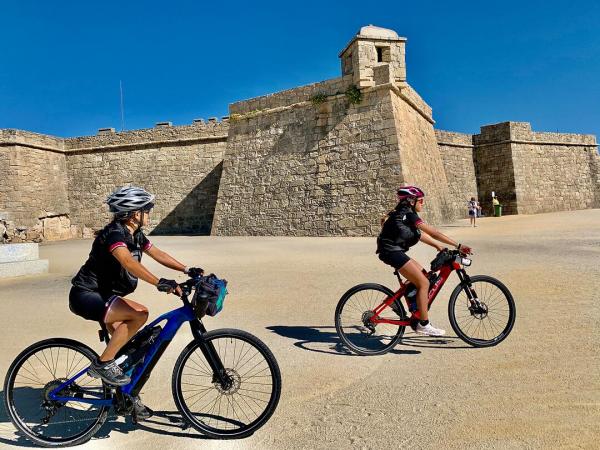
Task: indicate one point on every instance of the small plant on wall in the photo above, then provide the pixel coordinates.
(318, 99)
(354, 95)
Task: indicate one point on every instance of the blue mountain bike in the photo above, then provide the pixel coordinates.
(226, 383)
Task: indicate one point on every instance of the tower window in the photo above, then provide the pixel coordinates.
(383, 54)
(347, 64)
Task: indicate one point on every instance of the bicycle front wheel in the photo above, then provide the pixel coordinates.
(252, 392)
(38, 371)
(352, 315)
(491, 320)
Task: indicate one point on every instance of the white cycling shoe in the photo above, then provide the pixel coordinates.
(429, 330)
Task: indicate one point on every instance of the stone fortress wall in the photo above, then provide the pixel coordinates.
(317, 160)
(55, 188)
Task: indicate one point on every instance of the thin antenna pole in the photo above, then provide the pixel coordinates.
(122, 107)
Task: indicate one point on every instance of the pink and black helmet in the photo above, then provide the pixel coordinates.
(409, 192)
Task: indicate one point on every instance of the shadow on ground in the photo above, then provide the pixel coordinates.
(324, 339)
(166, 423)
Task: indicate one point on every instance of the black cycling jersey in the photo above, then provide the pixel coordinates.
(399, 232)
(102, 272)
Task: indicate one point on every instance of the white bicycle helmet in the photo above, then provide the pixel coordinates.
(128, 199)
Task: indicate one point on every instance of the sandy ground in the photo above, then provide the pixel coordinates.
(540, 388)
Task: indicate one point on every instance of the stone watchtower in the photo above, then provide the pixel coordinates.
(374, 54)
(325, 159)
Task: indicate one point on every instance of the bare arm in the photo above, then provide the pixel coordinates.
(133, 266)
(437, 235)
(165, 259)
(425, 238)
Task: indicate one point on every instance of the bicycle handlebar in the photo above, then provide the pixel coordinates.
(186, 288)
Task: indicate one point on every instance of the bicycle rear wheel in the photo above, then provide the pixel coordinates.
(252, 394)
(39, 370)
(488, 323)
(353, 327)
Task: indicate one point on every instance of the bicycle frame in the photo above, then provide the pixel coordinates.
(142, 372)
(445, 272)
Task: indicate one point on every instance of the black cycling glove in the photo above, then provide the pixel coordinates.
(194, 272)
(166, 285)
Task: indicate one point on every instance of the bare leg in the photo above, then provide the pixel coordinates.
(412, 271)
(123, 320)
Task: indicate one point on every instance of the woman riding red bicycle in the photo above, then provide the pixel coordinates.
(401, 229)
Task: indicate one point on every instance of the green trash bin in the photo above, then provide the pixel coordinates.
(498, 210)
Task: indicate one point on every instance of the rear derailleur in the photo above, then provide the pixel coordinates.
(366, 320)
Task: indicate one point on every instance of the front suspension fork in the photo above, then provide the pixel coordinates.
(465, 282)
(210, 354)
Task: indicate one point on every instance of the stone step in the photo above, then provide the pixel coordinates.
(19, 268)
(18, 252)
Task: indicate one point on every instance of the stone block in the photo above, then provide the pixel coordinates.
(57, 228)
(10, 253)
(20, 268)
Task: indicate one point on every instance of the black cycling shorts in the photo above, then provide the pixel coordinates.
(394, 259)
(89, 304)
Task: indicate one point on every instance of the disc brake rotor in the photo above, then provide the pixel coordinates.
(234, 381)
(480, 310)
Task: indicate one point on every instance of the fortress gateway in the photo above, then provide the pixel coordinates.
(317, 160)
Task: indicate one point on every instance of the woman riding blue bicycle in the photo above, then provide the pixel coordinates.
(112, 271)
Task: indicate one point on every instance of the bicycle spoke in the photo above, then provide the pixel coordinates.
(489, 320)
(246, 392)
(42, 370)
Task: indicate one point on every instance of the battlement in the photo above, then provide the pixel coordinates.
(521, 132)
(108, 139)
(454, 139)
(160, 134)
(9, 136)
(290, 97)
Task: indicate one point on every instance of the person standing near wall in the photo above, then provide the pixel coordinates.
(495, 206)
(474, 208)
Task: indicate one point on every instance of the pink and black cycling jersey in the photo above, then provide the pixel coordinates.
(399, 232)
(102, 272)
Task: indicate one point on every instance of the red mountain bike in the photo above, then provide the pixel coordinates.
(370, 319)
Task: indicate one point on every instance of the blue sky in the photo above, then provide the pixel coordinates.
(475, 63)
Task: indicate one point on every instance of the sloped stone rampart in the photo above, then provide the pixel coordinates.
(310, 170)
(421, 161)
